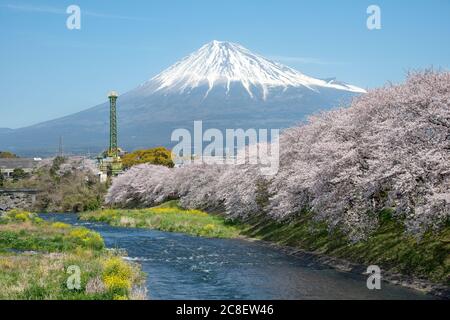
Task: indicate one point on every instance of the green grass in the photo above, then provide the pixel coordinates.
(389, 247)
(35, 257)
(168, 217)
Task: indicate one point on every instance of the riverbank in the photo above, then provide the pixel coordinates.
(422, 264)
(168, 217)
(41, 260)
(180, 266)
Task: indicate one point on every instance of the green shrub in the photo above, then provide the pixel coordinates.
(87, 238)
(157, 156)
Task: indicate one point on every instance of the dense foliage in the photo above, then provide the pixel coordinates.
(65, 184)
(7, 155)
(389, 149)
(158, 156)
(18, 174)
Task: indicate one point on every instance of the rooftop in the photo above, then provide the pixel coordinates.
(16, 163)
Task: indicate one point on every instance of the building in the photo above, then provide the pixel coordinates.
(8, 165)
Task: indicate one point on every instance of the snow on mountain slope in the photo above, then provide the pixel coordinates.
(222, 84)
(225, 63)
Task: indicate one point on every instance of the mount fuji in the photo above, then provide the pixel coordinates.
(223, 84)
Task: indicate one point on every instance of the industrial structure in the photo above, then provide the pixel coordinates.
(8, 165)
(110, 163)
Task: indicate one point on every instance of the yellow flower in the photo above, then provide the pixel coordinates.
(116, 283)
(117, 276)
(87, 238)
(209, 227)
(22, 216)
(60, 225)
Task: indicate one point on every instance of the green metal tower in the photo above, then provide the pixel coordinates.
(113, 149)
(110, 163)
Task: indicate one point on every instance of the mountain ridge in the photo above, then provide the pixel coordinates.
(225, 62)
(223, 84)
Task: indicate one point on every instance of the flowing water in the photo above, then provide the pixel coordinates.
(179, 266)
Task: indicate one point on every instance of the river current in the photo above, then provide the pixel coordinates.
(179, 266)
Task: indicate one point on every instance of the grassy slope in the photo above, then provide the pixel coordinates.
(168, 217)
(35, 256)
(388, 247)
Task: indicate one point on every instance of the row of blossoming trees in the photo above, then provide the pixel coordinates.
(389, 149)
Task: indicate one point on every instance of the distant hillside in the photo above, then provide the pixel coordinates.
(222, 83)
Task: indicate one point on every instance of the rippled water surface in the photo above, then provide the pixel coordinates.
(184, 267)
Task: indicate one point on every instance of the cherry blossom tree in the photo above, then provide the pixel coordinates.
(389, 149)
(142, 185)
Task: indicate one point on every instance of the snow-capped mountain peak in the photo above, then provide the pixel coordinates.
(225, 63)
(223, 84)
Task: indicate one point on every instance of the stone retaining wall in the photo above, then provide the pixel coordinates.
(16, 200)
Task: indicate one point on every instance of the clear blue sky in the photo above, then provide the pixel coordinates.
(47, 71)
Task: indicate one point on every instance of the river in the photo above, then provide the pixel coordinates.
(179, 266)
